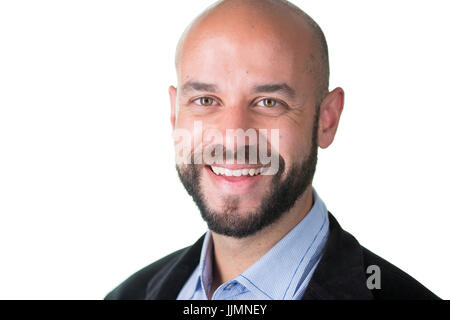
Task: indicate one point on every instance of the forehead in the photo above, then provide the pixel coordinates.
(232, 57)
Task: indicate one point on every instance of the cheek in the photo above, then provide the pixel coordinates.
(184, 139)
(293, 145)
(191, 126)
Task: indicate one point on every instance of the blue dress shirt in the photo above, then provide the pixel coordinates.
(283, 273)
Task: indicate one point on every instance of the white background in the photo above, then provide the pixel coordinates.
(88, 189)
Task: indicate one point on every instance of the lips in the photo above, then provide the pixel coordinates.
(235, 179)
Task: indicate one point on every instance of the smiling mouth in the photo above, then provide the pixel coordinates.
(229, 172)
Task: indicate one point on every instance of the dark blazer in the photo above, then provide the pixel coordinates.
(340, 274)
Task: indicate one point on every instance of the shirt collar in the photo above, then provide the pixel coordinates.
(276, 275)
(206, 264)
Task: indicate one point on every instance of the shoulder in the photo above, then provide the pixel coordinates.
(347, 270)
(394, 283)
(134, 288)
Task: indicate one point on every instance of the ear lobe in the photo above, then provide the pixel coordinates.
(330, 113)
(173, 105)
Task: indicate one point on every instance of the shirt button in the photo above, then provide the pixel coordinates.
(229, 286)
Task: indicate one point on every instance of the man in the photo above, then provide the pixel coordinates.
(260, 66)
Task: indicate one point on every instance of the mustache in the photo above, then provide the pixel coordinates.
(245, 154)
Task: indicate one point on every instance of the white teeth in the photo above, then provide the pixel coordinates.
(216, 170)
(236, 173)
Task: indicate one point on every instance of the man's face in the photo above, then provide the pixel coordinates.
(257, 83)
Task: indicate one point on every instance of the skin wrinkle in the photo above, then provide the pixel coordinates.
(236, 45)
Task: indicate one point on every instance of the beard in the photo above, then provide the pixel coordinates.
(279, 199)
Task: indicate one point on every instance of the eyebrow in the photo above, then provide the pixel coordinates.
(276, 87)
(265, 88)
(198, 86)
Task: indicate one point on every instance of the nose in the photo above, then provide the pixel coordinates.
(238, 131)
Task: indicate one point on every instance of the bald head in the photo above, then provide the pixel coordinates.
(273, 21)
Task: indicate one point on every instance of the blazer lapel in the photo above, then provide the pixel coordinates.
(168, 282)
(340, 273)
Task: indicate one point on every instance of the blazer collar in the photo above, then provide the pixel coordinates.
(168, 282)
(340, 273)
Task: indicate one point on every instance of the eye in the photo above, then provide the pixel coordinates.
(205, 101)
(268, 103)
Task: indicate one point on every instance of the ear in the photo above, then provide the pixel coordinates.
(173, 105)
(330, 113)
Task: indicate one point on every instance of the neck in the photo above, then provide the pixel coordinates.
(232, 256)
